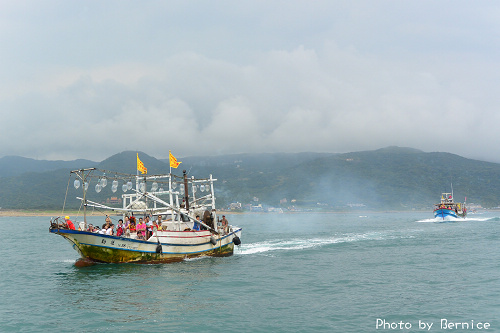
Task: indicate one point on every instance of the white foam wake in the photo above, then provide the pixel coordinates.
(455, 219)
(301, 244)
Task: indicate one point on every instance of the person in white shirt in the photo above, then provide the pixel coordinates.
(109, 230)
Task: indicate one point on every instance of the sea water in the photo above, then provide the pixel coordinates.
(368, 272)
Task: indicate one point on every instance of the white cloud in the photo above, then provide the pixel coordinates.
(79, 82)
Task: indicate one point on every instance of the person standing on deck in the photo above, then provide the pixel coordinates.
(159, 225)
(197, 223)
(120, 228)
(69, 223)
(224, 223)
(109, 223)
(126, 223)
(141, 228)
(149, 227)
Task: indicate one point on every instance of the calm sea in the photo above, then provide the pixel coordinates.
(292, 273)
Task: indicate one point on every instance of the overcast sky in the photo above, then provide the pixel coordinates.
(89, 79)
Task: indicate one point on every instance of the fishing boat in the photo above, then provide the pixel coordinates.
(449, 208)
(172, 202)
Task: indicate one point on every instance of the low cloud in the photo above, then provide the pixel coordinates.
(326, 94)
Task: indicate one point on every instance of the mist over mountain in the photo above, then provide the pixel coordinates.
(392, 178)
(17, 165)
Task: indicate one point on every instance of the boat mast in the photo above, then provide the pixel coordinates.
(212, 192)
(186, 191)
(170, 180)
(170, 187)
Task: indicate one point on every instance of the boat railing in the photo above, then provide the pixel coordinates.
(58, 223)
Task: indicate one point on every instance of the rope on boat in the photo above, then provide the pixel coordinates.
(65, 196)
(79, 209)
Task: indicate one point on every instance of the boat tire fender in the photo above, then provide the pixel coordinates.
(236, 240)
(159, 249)
(213, 240)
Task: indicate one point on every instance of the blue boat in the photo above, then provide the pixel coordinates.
(449, 208)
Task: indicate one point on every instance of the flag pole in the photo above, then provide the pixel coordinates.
(171, 197)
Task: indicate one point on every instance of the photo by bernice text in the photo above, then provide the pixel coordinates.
(443, 324)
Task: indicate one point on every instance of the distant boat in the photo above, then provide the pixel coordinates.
(449, 208)
(179, 236)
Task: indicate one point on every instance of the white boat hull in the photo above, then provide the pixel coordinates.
(166, 246)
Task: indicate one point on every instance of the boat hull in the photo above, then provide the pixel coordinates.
(162, 248)
(443, 213)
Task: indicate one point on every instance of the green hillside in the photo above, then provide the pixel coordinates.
(16, 165)
(390, 178)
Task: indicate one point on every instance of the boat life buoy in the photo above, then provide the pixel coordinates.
(236, 240)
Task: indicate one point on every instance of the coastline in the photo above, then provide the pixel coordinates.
(21, 213)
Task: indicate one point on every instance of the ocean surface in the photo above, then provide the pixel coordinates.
(368, 272)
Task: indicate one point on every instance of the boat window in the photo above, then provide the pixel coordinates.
(184, 218)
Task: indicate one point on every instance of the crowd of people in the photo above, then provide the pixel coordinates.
(143, 229)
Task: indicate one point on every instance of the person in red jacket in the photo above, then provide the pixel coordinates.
(69, 223)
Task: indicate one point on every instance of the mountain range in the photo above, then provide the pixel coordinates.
(391, 178)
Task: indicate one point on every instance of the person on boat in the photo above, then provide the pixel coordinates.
(131, 227)
(224, 222)
(111, 230)
(119, 228)
(141, 228)
(126, 223)
(197, 223)
(202, 225)
(159, 225)
(149, 227)
(68, 222)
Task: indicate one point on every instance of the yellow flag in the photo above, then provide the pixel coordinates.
(173, 160)
(140, 166)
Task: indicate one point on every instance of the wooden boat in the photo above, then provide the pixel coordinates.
(176, 239)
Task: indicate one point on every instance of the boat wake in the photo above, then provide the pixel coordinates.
(458, 219)
(65, 261)
(302, 244)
